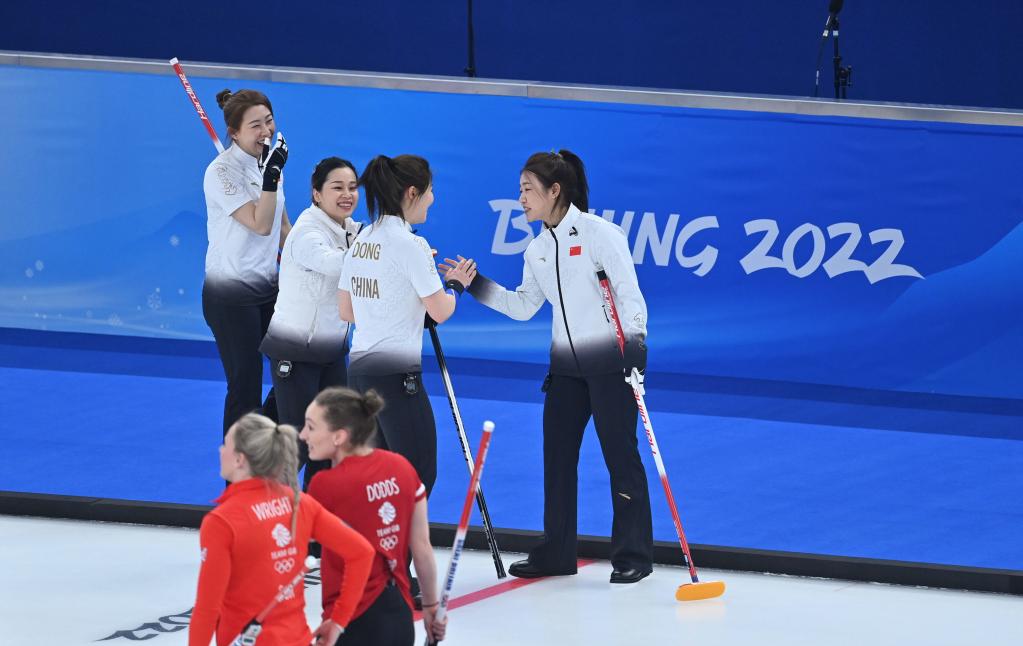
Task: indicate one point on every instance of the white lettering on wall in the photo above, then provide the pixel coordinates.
(655, 238)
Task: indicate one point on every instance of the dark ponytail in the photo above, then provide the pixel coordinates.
(385, 181)
(348, 409)
(565, 169)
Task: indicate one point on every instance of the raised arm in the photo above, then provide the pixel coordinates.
(314, 250)
(344, 297)
(520, 304)
(223, 183)
(439, 305)
(418, 258)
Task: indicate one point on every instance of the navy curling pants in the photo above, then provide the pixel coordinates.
(238, 331)
(568, 406)
(406, 424)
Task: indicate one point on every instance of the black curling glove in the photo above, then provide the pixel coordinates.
(272, 161)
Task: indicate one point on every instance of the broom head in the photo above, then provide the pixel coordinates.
(702, 590)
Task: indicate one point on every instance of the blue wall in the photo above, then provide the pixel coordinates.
(818, 250)
(910, 50)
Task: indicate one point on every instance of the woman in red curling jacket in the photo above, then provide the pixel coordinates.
(380, 495)
(255, 541)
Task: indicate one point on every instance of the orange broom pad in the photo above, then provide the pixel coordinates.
(697, 591)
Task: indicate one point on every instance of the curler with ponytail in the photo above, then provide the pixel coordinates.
(353, 411)
(567, 170)
(271, 450)
(386, 179)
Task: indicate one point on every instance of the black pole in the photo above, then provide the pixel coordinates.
(481, 503)
(837, 60)
(820, 56)
(843, 74)
(470, 69)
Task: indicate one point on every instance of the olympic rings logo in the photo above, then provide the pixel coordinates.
(389, 542)
(284, 566)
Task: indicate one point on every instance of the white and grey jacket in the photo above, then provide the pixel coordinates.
(306, 325)
(561, 266)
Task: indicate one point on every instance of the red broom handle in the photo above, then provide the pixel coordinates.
(196, 104)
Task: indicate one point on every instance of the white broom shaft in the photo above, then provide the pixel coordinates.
(661, 471)
(196, 104)
(463, 522)
(283, 594)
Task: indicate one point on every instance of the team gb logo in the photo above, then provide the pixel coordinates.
(281, 535)
(387, 513)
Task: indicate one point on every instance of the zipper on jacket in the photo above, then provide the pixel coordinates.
(561, 298)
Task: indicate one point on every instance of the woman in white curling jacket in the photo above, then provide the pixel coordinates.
(586, 368)
(307, 341)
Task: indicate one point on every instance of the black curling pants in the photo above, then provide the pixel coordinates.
(406, 424)
(238, 331)
(294, 394)
(569, 403)
(387, 622)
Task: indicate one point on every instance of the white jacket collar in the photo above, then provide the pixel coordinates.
(321, 216)
(242, 157)
(568, 222)
(393, 221)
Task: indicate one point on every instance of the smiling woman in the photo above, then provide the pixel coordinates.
(388, 287)
(246, 224)
(306, 341)
(251, 543)
(368, 485)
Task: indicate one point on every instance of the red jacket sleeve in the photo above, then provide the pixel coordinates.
(357, 554)
(215, 538)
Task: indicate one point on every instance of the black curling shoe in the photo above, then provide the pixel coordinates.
(525, 570)
(630, 575)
